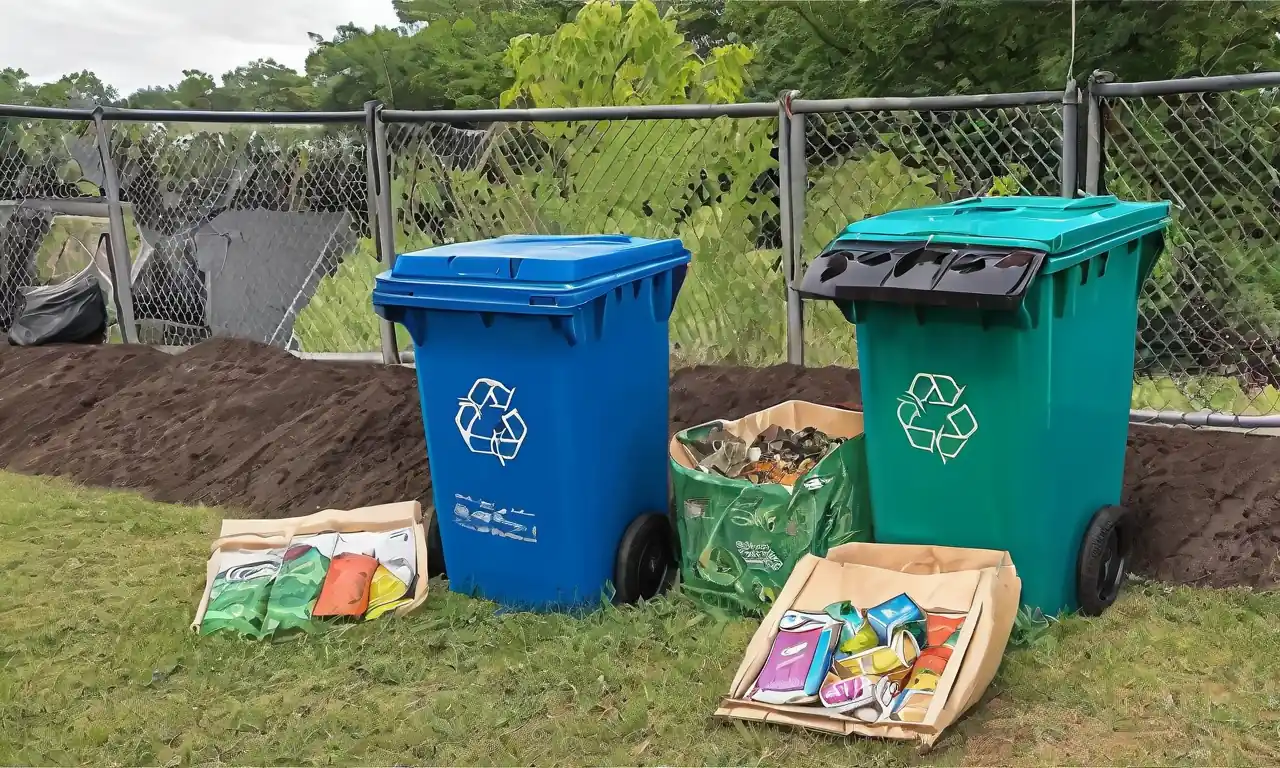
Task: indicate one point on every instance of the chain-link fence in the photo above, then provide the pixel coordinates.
(865, 162)
(256, 231)
(253, 231)
(45, 164)
(1209, 329)
(260, 226)
(713, 182)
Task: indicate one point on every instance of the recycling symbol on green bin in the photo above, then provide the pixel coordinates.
(934, 417)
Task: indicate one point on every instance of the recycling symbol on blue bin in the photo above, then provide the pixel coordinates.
(934, 417)
(488, 423)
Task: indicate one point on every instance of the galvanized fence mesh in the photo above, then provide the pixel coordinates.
(712, 182)
(1209, 328)
(865, 163)
(257, 232)
(42, 163)
(259, 226)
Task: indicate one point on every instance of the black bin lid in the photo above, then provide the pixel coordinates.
(924, 272)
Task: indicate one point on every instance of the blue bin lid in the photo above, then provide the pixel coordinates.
(1053, 224)
(523, 272)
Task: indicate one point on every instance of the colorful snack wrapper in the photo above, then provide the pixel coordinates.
(298, 584)
(893, 660)
(386, 593)
(896, 614)
(858, 635)
(910, 706)
(923, 680)
(874, 709)
(877, 661)
(394, 578)
(942, 629)
(848, 692)
(799, 659)
(346, 588)
(844, 695)
(933, 659)
(240, 592)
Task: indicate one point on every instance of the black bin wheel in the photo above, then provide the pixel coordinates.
(435, 548)
(1104, 559)
(645, 564)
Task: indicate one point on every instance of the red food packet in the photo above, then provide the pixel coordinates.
(939, 628)
(933, 660)
(346, 587)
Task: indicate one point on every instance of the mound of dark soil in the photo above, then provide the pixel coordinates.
(1207, 505)
(253, 428)
(228, 422)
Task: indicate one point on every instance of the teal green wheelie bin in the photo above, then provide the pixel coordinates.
(995, 340)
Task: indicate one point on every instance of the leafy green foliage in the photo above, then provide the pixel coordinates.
(707, 181)
(921, 47)
(1211, 310)
(453, 60)
(614, 55)
(35, 159)
(450, 53)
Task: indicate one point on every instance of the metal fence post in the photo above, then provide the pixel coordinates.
(118, 253)
(377, 174)
(1070, 148)
(792, 182)
(1093, 156)
(784, 212)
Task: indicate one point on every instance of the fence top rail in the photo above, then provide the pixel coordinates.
(565, 114)
(1188, 85)
(927, 103)
(657, 112)
(180, 115)
(209, 116)
(52, 113)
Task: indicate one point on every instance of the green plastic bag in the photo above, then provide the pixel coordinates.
(240, 592)
(297, 585)
(739, 541)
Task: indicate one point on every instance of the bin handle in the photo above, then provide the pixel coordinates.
(937, 569)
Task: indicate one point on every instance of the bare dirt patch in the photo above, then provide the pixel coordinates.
(253, 428)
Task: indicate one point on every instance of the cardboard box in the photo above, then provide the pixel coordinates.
(247, 535)
(980, 583)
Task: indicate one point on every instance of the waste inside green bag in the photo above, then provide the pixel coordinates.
(740, 540)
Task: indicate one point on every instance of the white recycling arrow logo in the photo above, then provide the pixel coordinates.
(489, 402)
(928, 393)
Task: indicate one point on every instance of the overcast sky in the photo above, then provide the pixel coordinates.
(131, 44)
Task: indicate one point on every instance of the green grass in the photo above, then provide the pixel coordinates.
(68, 247)
(340, 317)
(1221, 394)
(97, 666)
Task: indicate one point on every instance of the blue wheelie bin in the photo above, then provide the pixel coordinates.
(543, 377)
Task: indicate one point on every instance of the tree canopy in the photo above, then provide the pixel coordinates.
(468, 53)
(922, 47)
